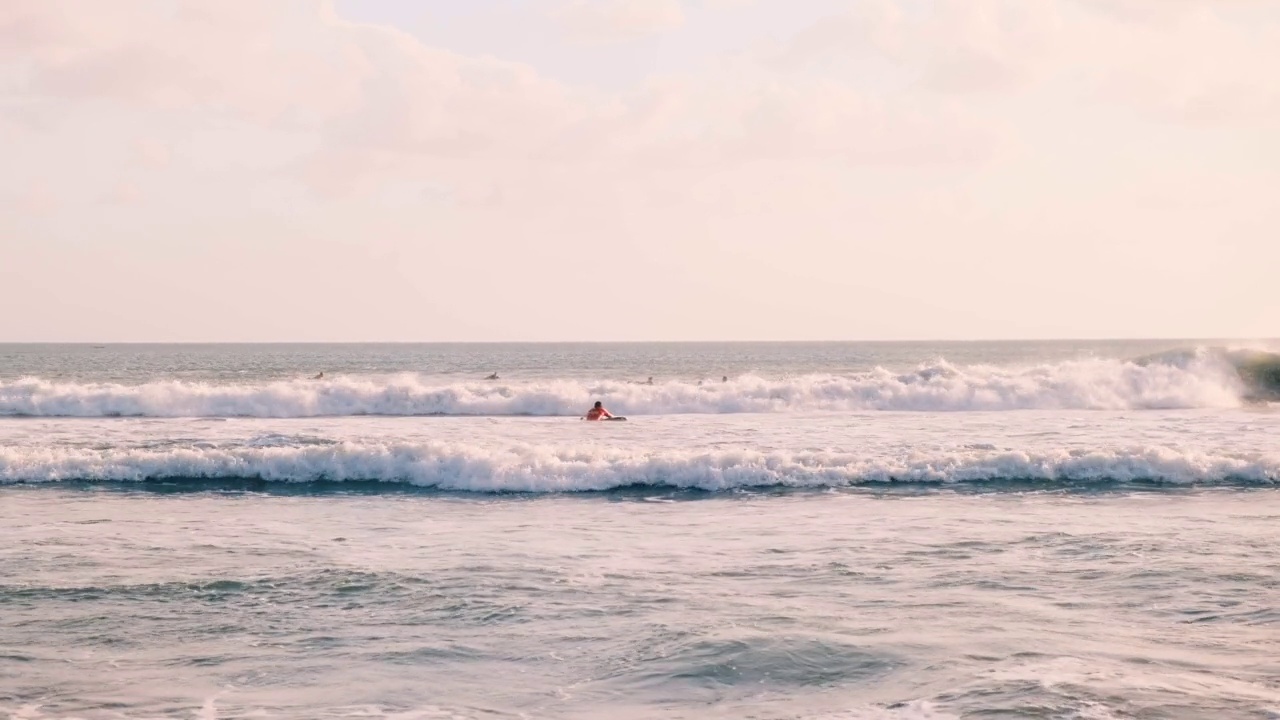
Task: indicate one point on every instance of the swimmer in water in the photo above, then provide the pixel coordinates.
(598, 412)
(492, 377)
(320, 376)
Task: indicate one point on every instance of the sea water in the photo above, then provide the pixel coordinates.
(828, 531)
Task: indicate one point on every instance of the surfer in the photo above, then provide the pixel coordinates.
(598, 412)
(492, 377)
(649, 381)
(319, 376)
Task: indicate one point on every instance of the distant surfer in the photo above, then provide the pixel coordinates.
(598, 412)
(649, 381)
(492, 377)
(724, 379)
(319, 376)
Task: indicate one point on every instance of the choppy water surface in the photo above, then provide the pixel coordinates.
(832, 532)
(840, 605)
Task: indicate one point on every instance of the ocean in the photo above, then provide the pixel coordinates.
(809, 531)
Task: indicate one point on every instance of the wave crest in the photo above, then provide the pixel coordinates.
(536, 469)
(1082, 385)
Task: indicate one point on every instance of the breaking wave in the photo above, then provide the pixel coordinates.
(1200, 381)
(538, 469)
(1257, 371)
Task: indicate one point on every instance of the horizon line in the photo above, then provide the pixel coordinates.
(646, 342)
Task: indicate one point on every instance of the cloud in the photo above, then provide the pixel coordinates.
(152, 153)
(611, 21)
(951, 45)
(263, 60)
(726, 118)
(368, 105)
(125, 192)
(955, 148)
(383, 107)
(1187, 62)
(36, 199)
(371, 95)
(1183, 58)
(1159, 12)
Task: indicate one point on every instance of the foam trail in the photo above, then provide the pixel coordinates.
(1084, 385)
(540, 469)
(918, 710)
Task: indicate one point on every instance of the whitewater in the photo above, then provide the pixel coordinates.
(740, 452)
(940, 387)
(833, 531)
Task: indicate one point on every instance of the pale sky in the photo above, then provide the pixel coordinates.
(433, 170)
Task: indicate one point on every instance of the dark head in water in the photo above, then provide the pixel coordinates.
(599, 404)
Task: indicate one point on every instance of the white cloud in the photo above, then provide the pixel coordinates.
(38, 198)
(610, 21)
(126, 192)
(951, 45)
(973, 132)
(384, 107)
(1179, 57)
(262, 60)
(1193, 65)
(152, 153)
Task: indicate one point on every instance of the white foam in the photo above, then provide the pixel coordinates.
(918, 710)
(1088, 385)
(540, 469)
(209, 711)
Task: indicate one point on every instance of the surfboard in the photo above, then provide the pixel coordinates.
(618, 419)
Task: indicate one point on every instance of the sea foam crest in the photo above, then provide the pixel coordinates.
(538, 469)
(1089, 385)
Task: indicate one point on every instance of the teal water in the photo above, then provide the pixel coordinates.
(803, 606)
(827, 531)
(134, 363)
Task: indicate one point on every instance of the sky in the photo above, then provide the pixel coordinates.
(530, 170)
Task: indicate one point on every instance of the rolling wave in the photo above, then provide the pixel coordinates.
(1200, 381)
(1258, 371)
(537, 469)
